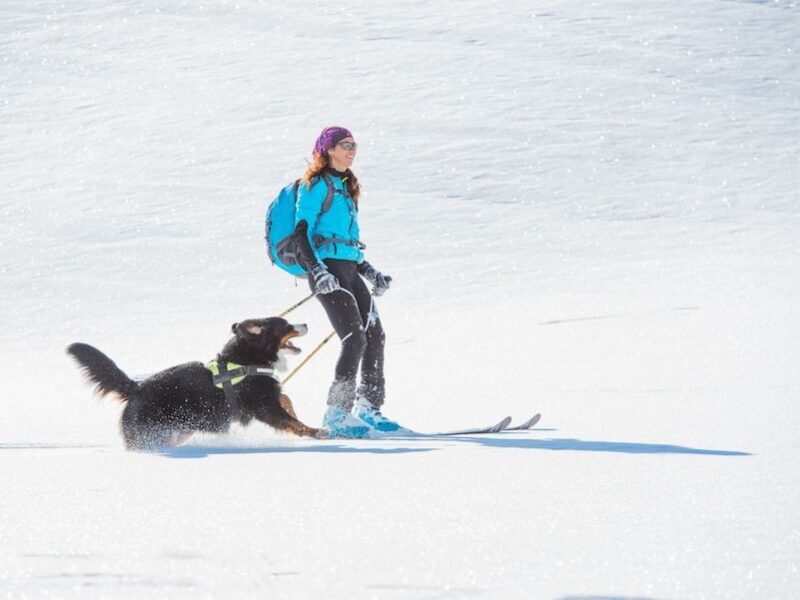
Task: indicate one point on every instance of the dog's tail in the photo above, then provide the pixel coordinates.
(101, 370)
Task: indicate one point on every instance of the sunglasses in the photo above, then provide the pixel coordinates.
(348, 145)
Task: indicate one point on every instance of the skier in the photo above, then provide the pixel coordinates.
(333, 255)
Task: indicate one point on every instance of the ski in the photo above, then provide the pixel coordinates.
(526, 425)
(501, 427)
(496, 428)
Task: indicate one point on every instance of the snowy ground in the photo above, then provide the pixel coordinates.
(589, 210)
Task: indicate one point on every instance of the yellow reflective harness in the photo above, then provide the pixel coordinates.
(227, 375)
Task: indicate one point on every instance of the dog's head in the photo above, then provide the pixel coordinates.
(263, 341)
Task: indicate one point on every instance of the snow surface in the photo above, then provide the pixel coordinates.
(589, 210)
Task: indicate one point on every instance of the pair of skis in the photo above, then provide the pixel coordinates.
(501, 427)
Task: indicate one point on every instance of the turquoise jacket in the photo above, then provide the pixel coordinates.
(333, 234)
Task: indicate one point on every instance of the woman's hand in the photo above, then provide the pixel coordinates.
(380, 282)
(324, 282)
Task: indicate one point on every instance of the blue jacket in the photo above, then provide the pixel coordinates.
(338, 225)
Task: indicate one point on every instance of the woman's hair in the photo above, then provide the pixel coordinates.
(321, 162)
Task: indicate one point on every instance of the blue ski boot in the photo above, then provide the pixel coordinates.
(338, 420)
(342, 424)
(374, 418)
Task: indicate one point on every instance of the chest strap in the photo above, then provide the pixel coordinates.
(321, 240)
(227, 375)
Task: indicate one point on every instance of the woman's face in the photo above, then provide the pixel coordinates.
(343, 154)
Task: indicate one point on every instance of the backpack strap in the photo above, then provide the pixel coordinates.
(320, 240)
(295, 250)
(326, 204)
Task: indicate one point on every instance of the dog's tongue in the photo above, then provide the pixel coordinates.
(292, 347)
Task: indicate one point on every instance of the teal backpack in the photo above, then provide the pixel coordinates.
(281, 246)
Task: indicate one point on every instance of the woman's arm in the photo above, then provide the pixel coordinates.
(309, 205)
(307, 254)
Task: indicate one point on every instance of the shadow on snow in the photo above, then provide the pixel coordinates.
(506, 441)
(501, 441)
(605, 598)
(204, 451)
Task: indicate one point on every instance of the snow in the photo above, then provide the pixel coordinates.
(589, 210)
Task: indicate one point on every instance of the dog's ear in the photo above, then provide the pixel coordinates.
(247, 328)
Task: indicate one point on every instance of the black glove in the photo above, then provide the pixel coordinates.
(380, 282)
(324, 282)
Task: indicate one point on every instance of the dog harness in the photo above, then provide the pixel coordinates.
(227, 375)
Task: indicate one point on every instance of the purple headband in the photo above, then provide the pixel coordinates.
(329, 137)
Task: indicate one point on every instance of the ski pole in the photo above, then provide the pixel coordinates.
(308, 358)
(298, 305)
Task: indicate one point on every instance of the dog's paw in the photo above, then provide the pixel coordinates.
(323, 434)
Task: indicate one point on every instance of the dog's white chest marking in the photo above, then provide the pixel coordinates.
(281, 366)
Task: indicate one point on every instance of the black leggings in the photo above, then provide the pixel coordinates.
(354, 316)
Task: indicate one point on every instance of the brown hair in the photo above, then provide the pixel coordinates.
(321, 162)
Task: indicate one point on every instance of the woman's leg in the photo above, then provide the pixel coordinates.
(372, 391)
(344, 314)
(373, 382)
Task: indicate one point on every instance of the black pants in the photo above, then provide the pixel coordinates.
(354, 316)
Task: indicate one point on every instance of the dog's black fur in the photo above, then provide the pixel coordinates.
(170, 406)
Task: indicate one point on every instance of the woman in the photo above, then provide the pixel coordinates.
(333, 256)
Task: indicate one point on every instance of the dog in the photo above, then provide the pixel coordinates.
(167, 408)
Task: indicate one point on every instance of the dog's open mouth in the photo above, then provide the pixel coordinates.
(286, 341)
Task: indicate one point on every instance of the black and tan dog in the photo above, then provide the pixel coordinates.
(169, 407)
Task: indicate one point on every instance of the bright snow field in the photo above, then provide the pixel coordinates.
(589, 210)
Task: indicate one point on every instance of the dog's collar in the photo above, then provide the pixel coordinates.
(233, 373)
